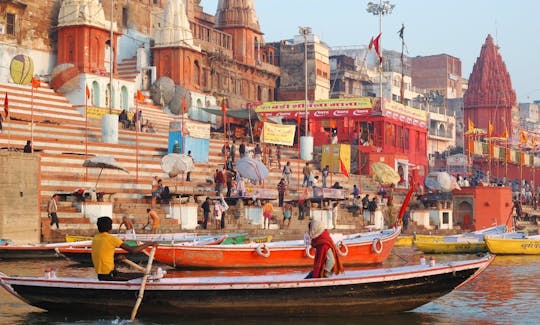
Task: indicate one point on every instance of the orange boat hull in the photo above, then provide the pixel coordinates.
(211, 257)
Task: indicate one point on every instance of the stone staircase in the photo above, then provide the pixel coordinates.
(127, 68)
(63, 139)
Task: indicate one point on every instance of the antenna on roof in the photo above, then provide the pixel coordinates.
(496, 34)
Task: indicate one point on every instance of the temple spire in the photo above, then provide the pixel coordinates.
(237, 13)
(489, 82)
(175, 30)
(489, 97)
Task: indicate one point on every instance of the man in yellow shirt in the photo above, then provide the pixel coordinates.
(103, 246)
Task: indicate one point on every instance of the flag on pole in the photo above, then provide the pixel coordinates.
(505, 134)
(140, 96)
(343, 168)
(223, 106)
(35, 83)
(471, 125)
(184, 106)
(491, 127)
(6, 111)
(87, 92)
(374, 43)
(522, 137)
(401, 31)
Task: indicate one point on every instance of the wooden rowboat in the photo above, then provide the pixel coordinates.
(353, 293)
(15, 251)
(83, 255)
(357, 249)
(404, 241)
(466, 243)
(171, 238)
(514, 243)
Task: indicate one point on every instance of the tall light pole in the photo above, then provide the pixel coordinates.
(111, 54)
(305, 31)
(306, 142)
(380, 9)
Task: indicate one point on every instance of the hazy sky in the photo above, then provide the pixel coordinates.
(455, 27)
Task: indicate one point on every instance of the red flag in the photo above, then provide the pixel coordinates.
(522, 137)
(184, 107)
(223, 107)
(140, 96)
(298, 118)
(343, 168)
(6, 105)
(87, 92)
(35, 83)
(374, 43)
(491, 127)
(264, 117)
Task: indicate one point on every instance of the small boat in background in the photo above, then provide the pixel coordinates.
(514, 243)
(15, 251)
(404, 241)
(471, 242)
(354, 293)
(170, 238)
(83, 255)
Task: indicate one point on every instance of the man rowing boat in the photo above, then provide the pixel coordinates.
(103, 248)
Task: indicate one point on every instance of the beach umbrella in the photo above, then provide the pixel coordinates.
(447, 181)
(174, 163)
(385, 174)
(252, 169)
(432, 184)
(103, 162)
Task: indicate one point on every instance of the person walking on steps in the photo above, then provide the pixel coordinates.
(52, 209)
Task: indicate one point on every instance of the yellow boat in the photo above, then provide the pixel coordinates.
(442, 247)
(514, 243)
(471, 242)
(74, 238)
(404, 241)
(260, 239)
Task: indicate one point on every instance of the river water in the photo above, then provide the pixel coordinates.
(507, 292)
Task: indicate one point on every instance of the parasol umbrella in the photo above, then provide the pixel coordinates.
(385, 174)
(252, 169)
(174, 163)
(103, 162)
(446, 181)
(432, 184)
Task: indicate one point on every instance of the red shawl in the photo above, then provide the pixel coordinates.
(321, 245)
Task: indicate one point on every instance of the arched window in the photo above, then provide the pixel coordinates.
(71, 49)
(95, 94)
(109, 95)
(124, 99)
(95, 58)
(259, 94)
(197, 73)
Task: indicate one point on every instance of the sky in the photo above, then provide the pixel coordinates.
(455, 27)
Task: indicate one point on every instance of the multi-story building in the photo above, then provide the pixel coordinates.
(294, 56)
(363, 76)
(441, 72)
(209, 58)
(529, 116)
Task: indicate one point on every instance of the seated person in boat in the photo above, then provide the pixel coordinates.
(326, 262)
(103, 248)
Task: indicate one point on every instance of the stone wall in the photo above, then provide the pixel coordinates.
(19, 199)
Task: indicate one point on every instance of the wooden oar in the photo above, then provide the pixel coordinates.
(124, 259)
(143, 283)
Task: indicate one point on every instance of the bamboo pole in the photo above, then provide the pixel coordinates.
(143, 284)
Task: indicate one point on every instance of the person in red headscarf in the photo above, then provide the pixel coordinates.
(326, 262)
